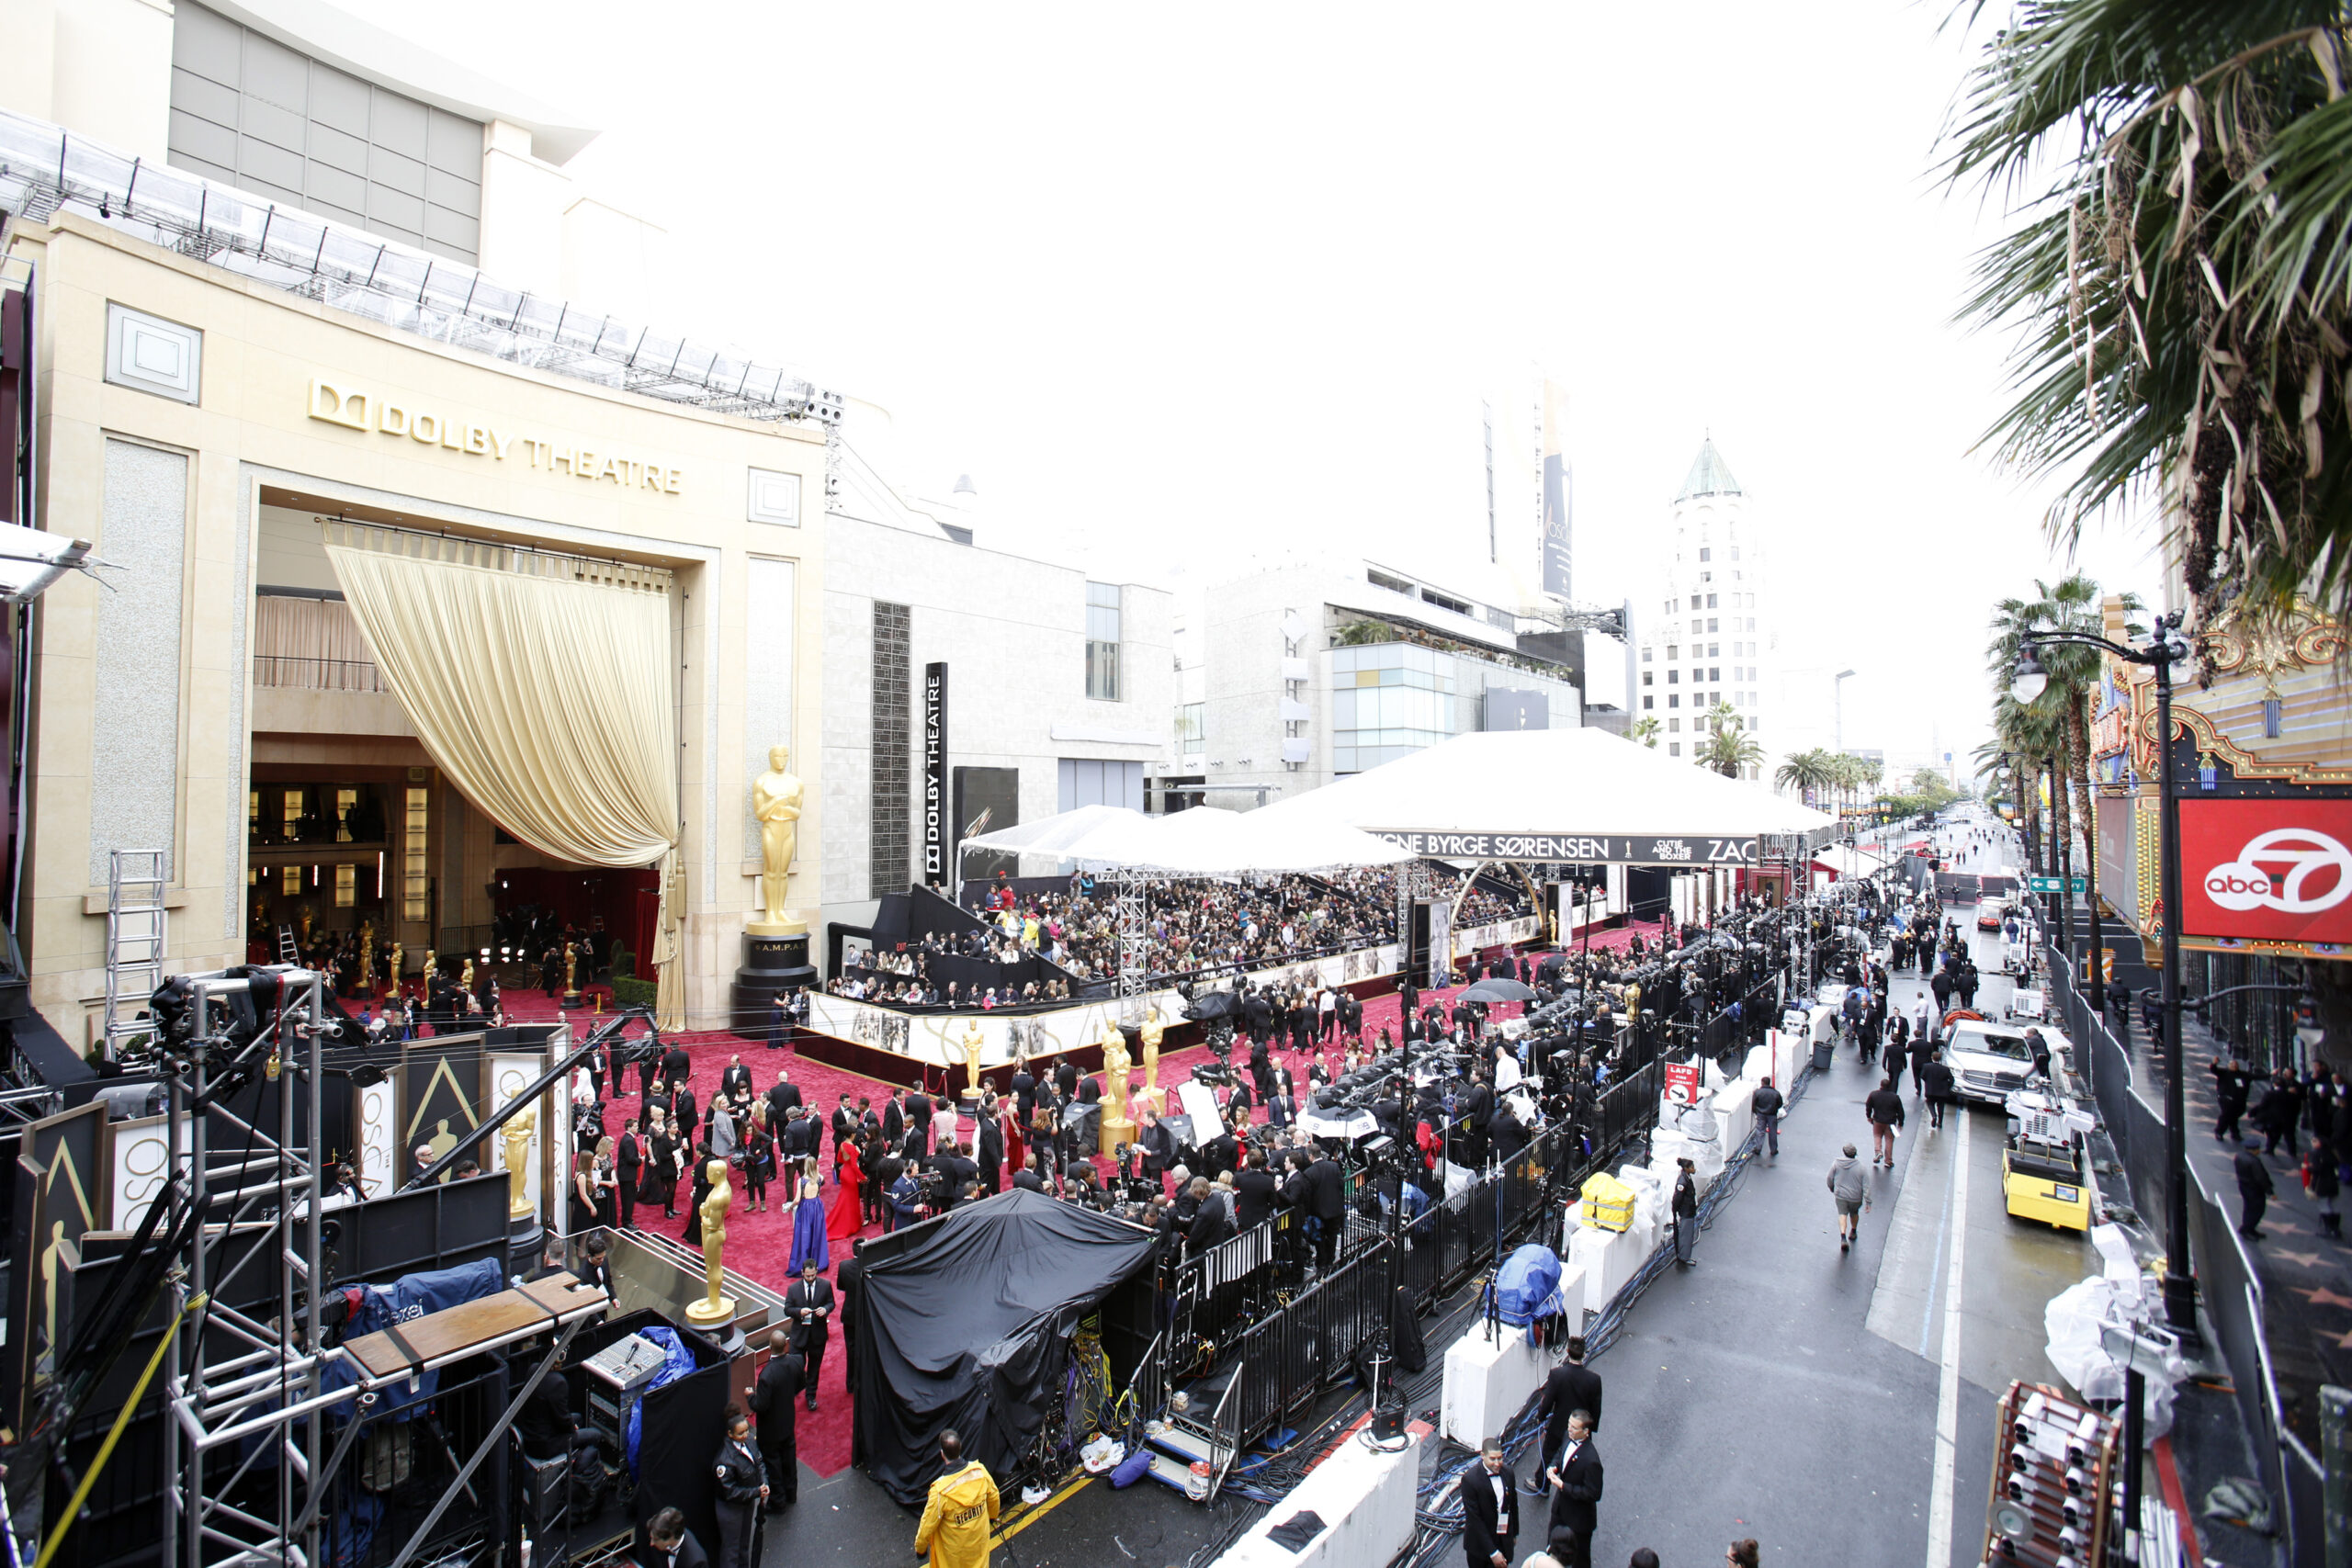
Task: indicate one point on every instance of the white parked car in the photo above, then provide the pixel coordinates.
(1991, 1061)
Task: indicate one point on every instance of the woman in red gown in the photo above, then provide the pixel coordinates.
(847, 1215)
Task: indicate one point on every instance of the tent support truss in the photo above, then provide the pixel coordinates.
(1130, 888)
(266, 1394)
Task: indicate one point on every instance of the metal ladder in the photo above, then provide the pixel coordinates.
(288, 951)
(136, 930)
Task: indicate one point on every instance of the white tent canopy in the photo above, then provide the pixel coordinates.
(1200, 843)
(1553, 795)
(1850, 860)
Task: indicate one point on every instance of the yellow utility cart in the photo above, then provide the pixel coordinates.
(2045, 1167)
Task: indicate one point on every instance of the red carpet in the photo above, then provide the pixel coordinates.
(759, 1245)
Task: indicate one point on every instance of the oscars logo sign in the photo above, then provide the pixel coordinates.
(2296, 871)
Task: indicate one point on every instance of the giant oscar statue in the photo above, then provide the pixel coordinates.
(717, 1307)
(775, 802)
(1117, 1127)
(775, 939)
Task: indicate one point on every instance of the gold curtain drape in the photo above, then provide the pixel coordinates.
(546, 700)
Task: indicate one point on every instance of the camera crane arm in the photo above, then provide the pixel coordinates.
(607, 1030)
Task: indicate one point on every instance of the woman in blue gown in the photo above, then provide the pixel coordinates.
(808, 1223)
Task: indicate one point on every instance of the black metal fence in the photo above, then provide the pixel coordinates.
(2228, 1285)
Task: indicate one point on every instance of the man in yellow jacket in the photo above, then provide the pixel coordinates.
(962, 1507)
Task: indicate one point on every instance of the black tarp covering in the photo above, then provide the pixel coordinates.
(971, 1330)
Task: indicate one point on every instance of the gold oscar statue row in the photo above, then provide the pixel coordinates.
(719, 1306)
(1118, 1127)
(775, 802)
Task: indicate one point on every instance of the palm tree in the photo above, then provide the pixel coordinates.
(1728, 750)
(1807, 772)
(2070, 605)
(2180, 286)
(1643, 729)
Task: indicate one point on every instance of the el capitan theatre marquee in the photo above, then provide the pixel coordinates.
(2268, 872)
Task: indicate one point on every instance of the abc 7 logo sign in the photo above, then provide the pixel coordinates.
(2296, 871)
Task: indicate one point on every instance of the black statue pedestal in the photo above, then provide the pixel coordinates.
(771, 964)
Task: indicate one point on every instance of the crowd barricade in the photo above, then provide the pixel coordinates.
(2227, 1282)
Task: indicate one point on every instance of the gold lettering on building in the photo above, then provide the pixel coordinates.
(335, 402)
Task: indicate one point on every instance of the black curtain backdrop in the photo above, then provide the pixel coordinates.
(969, 1329)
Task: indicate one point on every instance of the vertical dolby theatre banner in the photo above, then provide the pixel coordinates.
(937, 829)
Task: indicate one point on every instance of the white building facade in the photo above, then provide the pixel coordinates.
(1710, 637)
(1293, 676)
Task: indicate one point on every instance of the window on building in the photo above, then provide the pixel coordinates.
(291, 814)
(1645, 659)
(1672, 605)
(1704, 553)
(1696, 624)
(1445, 602)
(1694, 601)
(1734, 555)
(1711, 601)
(1754, 725)
(346, 886)
(1189, 735)
(1648, 678)
(345, 802)
(1674, 726)
(1649, 702)
(289, 880)
(1085, 780)
(1714, 625)
(1673, 652)
(253, 814)
(1673, 677)
(1674, 748)
(1674, 699)
(1102, 641)
(416, 899)
(1715, 672)
(1379, 579)
(1706, 577)
(1715, 650)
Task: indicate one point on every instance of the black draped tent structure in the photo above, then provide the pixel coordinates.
(969, 1327)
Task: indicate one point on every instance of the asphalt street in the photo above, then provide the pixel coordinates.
(1785, 1391)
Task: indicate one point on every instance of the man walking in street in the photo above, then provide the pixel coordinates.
(1851, 1189)
(1569, 1387)
(772, 1397)
(1935, 1082)
(1884, 1108)
(2254, 1188)
(1767, 1105)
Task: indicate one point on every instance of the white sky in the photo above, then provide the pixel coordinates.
(1171, 286)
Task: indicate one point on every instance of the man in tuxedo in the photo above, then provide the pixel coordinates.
(737, 1077)
(675, 1066)
(1027, 1179)
(1253, 1191)
(1572, 1385)
(1066, 1079)
(628, 1160)
(844, 1123)
(1490, 1510)
(988, 1144)
(1574, 1477)
(682, 1111)
(1326, 1197)
(808, 1309)
(1213, 1221)
(918, 1113)
(1260, 1066)
(1157, 1143)
(893, 1117)
(849, 1278)
(1281, 1107)
(780, 1382)
(1024, 1090)
(783, 1095)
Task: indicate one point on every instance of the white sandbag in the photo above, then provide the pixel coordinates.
(2071, 1320)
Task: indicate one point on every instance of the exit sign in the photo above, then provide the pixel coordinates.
(2058, 884)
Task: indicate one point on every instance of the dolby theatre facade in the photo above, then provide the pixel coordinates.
(287, 681)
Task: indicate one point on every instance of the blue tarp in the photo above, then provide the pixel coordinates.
(677, 1363)
(1528, 1286)
(406, 1299)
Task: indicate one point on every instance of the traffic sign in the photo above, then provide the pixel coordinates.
(2057, 885)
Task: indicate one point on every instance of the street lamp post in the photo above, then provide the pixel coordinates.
(2164, 649)
(1837, 709)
